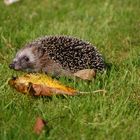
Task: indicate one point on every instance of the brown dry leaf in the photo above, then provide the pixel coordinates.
(39, 125)
(86, 74)
(40, 85)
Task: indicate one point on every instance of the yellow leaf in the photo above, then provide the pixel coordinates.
(39, 84)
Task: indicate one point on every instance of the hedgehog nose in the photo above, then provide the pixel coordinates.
(11, 66)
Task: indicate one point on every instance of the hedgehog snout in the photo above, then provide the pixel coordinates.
(15, 66)
(12, 66)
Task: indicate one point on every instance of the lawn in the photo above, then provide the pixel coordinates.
(114, 27)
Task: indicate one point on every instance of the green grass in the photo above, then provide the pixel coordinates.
(114, 27)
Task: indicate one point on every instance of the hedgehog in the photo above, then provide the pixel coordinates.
(58, 56)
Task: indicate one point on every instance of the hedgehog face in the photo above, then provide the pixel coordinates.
(24, 60)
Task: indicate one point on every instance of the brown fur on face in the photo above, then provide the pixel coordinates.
(39, 61)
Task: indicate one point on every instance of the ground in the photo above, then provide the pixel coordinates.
(114, 27)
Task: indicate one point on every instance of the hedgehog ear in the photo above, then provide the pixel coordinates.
(40, 51)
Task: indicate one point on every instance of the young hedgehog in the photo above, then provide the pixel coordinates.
(58, 56)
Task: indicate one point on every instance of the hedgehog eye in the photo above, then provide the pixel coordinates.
(26, 58)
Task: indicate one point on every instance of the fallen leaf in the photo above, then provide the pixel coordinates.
(40, 85)
(43, 85)
(39, 125)
(86, 74)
